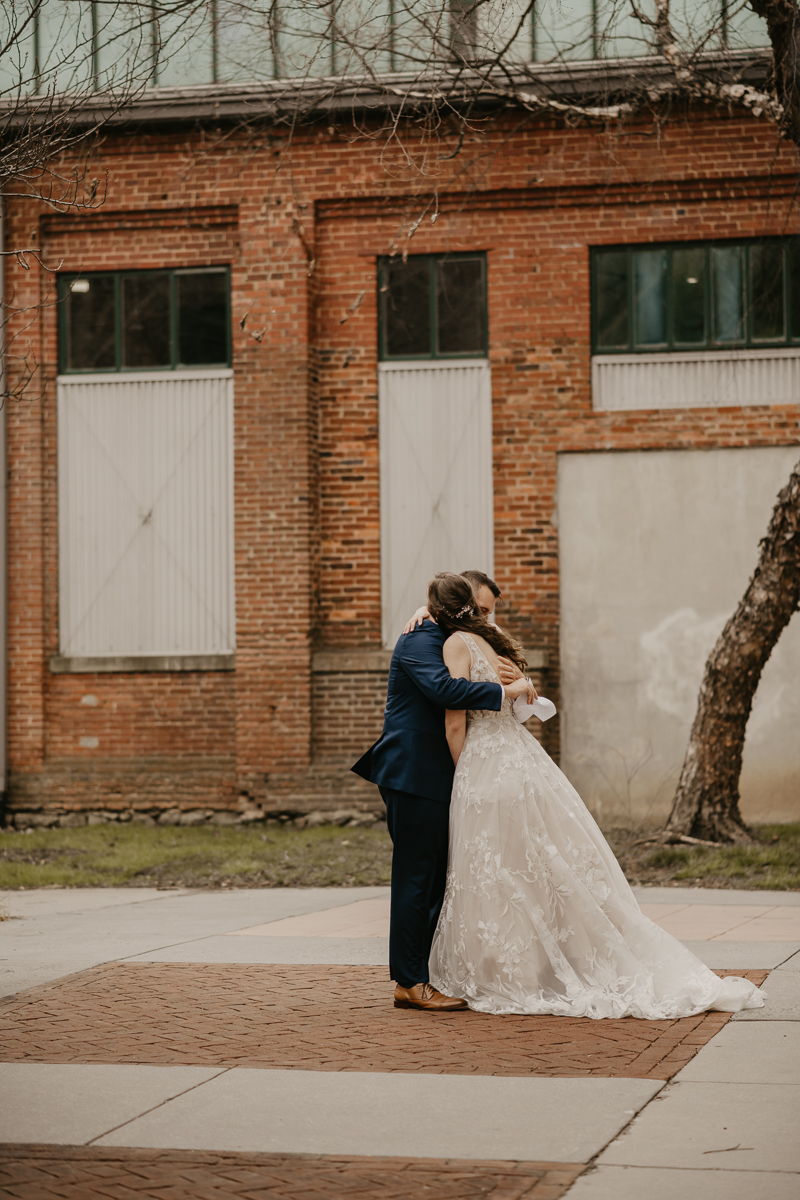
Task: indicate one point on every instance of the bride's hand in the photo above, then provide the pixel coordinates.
(518, 688)
(507, 670)
(521, 687)
(417, 619)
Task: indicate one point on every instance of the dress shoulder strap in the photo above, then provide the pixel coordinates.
(478, 662)
(473, 647)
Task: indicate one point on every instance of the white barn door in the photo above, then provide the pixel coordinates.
(145, 479)
(437, 511)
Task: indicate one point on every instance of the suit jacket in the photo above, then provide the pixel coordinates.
(412, 754)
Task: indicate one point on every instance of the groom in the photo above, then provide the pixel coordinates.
(413, 768)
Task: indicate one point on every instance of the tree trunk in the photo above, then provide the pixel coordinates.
(706, 804)
(783, 26)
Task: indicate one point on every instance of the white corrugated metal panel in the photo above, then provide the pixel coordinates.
(437, 510)
(702, 379)
(145, 466)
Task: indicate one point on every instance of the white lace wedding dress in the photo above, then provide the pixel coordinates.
(537, 915)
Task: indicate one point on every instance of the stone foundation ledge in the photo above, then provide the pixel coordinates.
(325, 794)
(351, 817)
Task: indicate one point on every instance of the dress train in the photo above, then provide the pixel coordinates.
(538, 916)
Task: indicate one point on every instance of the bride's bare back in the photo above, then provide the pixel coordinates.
(457, 657)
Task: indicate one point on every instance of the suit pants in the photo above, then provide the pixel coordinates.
(419, 830)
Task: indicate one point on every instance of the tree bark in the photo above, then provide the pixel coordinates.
(783, 26)
(706, 803)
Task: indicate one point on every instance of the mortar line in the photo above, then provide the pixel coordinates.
(155, 1107)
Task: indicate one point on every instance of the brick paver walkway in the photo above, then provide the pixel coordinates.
(66, 1173)
(322, 1019)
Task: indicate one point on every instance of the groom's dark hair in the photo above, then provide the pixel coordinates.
(452, 604)
(477, 579)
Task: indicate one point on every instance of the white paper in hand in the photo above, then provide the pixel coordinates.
(542, 708)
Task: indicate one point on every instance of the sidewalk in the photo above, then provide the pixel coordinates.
(244, 1044)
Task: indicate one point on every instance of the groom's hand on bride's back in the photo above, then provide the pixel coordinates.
(507, 670)
(510, 673)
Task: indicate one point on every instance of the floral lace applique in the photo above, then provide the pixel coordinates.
(538, 916)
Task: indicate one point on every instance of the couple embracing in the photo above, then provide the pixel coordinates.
(506, 897)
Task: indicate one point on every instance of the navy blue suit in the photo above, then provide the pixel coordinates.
(412, 765)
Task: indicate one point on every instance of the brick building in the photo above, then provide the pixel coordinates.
(260, 429)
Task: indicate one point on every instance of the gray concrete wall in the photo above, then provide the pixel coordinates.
(656, 549)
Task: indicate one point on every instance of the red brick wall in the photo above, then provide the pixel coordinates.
(302, 247)
(347, 711)
(539, 339)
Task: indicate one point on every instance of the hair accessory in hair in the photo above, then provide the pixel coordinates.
(466, 609)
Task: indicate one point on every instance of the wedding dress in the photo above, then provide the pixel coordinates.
(538, 916)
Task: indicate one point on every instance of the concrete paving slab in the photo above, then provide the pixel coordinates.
(659, 1183)
(71, 1105)
(264, 904)
(45, 946)
(308, 951)
(775, 925)
(364, 918)
(657, 912)
(63, 931)
(18, 976)
(34, 902)
(726, 1126)
(273, 904)
(693, 895)
(768, 1053)
(783, 999)
(389, 1113)
(793, 962)
(742, 956)
(706, 921)
(702, 922)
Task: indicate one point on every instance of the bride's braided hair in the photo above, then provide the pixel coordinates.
(453, 606)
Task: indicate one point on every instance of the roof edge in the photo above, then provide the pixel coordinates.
(604, 80)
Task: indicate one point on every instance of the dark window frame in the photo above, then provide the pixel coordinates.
(434, 355)
(65, 279)
(747, 342)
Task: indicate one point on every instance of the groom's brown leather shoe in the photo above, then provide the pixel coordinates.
(425, 996)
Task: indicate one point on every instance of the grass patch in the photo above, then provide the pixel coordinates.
(137, 856)
(774, 864)
(280, 856)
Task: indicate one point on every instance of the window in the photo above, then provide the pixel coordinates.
(226, 41)
(145, 466)
(696, 296)
(137, 320)
(432, 306)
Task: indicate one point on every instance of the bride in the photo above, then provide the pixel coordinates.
(537, 915)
